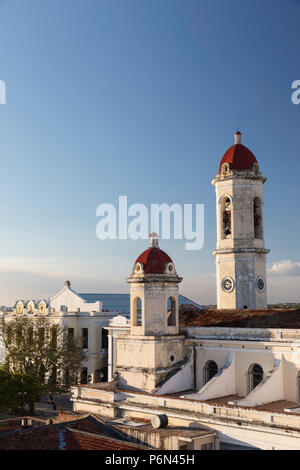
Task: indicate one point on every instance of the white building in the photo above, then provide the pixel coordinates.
(81, 318)
(233, 370)
(85, 315)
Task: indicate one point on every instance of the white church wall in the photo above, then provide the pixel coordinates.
(222, 384)
(270, 389)
(181, 380)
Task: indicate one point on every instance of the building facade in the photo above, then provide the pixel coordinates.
(81, 318)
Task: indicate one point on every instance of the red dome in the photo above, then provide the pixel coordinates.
(154, 261)
(238, 156)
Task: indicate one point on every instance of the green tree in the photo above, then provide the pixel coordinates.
(41, 350)
(18, 390)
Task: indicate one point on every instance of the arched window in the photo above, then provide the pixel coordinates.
(137, 311)
(42, 307)
(257, 219)
(255, 376)
(171, 311)
(226, 217)
(20, 308)
(225, 169)
(210, 370)
(30, 307)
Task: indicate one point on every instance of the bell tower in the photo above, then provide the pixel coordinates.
(240, 252)
(154, 348)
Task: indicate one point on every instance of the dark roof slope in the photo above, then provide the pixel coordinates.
(86, 433)
(262, 318)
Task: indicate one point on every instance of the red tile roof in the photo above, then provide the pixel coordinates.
(239, 157)
(87, 433)
(154, 260)
(79, 440)
(262, 318)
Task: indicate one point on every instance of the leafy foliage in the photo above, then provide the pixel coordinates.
(42, 350)
(17, 390)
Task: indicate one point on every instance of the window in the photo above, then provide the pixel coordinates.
(257, 219)
(171, 311)
(30, 307)
(84, 375)
(137, 312)
(255, 376)
(41, 336)
(42, 308)
(54, 337)
(104, 339)
(210, 370)
(226, 217)
(85, 338)
(9, 334)
(70, 335)
(20, 308)
(30, 334)
(19, 334)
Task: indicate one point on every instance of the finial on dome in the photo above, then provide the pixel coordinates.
(153, 240)
(237, 137)
(68, 284)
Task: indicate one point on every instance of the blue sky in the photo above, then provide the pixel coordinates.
(140, 98)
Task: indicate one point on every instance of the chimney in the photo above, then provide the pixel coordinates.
(237, 137)
(153, 240)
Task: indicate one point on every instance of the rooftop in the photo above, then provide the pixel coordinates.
(86, 433)
(190, 316)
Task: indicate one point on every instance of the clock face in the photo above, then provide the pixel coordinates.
(228, 284)
(260, 284)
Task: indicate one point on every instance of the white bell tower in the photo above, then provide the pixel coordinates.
(154, 347)
(240, 253)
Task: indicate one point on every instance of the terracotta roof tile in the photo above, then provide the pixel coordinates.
(263, 318)
(238, 157)
(87, 433)
(154, 261)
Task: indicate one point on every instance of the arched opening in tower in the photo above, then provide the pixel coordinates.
(257, 219)
(226, 211)
(171, 311)
(137, 311)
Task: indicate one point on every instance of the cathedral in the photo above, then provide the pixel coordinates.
(234, 371)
